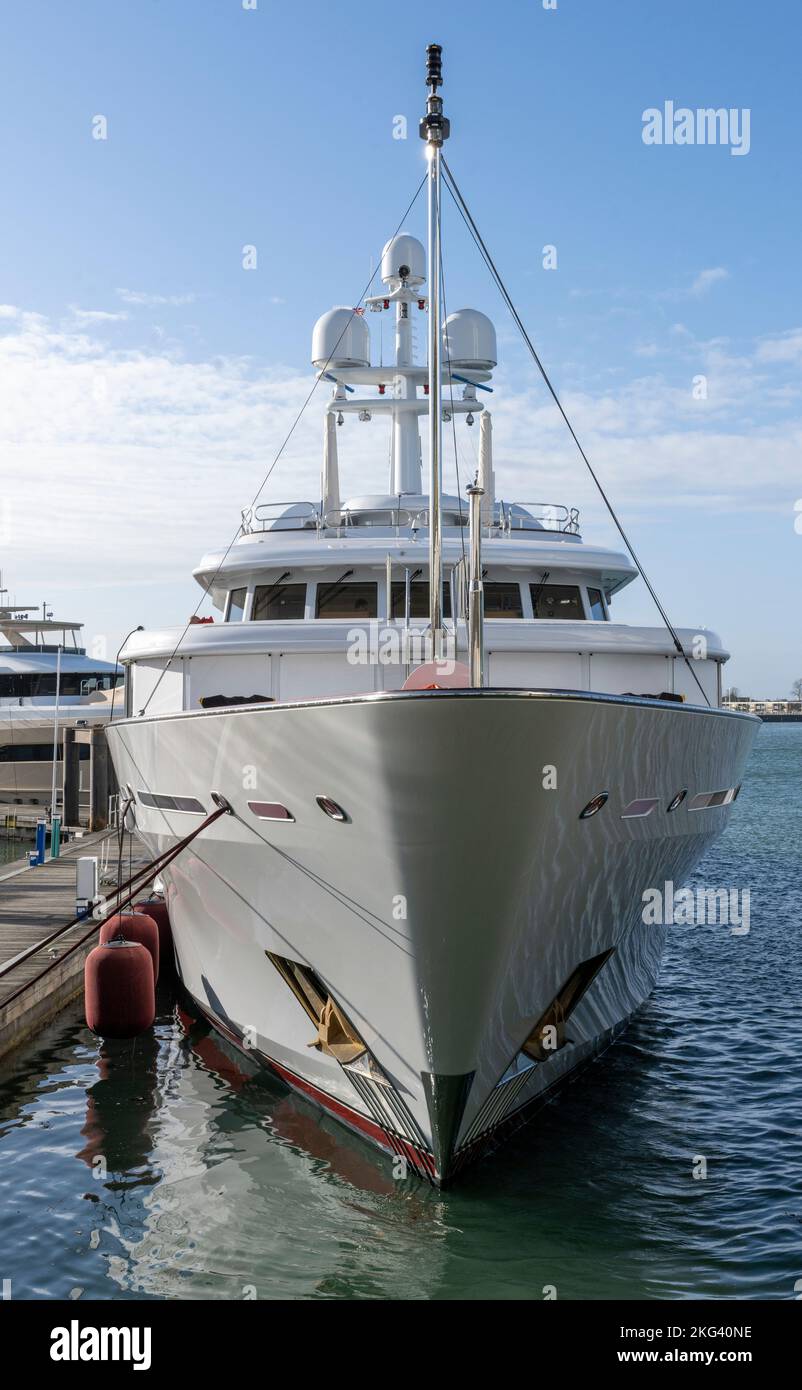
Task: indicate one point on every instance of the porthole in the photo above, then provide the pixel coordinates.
(331, 808)
(594, 806)
(677, 800)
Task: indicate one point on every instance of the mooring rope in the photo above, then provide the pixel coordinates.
(135, 884)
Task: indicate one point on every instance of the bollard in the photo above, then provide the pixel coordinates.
(55, 837)
(41, 838)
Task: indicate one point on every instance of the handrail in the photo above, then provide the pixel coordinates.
(259, 518)
(537, 516)
(396, 516)
(139, 878)
(562, 518)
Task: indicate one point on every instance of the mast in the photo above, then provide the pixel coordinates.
(434, 129)
(476, 595)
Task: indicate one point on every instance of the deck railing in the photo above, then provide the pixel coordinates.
(306, 516)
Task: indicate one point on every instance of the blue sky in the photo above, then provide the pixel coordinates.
(147, 379)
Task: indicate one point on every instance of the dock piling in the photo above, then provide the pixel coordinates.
(72, 779)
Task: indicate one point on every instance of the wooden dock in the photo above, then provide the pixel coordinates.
(33, 904)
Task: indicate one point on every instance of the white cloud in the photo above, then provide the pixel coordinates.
(707, 278)
(699, 286)
(785, 348)
(96, 315)
(141, 297)
(141, 460)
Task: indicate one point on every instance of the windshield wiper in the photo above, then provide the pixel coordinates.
(332, 590)
(265, 599)
(538, 591)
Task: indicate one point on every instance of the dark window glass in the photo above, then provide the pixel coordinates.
(346, 600)
(596, 605)
(97, 682)
(30, 685)
(418, 600)
(271, 603)
(503, 601)
(557, 601)
(236, 607)
(37, 752)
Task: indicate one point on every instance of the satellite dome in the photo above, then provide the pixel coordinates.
(469, 341)
(340, 339)
(404, 258)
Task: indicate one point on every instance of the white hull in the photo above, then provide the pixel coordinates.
(449, 910)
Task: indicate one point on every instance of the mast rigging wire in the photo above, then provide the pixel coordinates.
(464, 212)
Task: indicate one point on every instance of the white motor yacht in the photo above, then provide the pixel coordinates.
(48, 684)
(451, 772)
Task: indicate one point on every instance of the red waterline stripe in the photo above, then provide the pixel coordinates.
(343, 1112)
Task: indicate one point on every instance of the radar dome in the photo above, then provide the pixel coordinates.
(469, 341)
(340, 339)
(404, 253)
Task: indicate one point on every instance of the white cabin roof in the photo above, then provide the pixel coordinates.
(295, 536)
(38, 662)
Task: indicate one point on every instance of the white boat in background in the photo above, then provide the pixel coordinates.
(425, 908)
(47, 684)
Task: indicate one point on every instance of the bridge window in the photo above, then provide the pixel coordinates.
(418, 600)
(503, 601)
(272, 602)
(33, 685)
(562, 601)
(236, 605)
(346, 600)
(596, 605)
